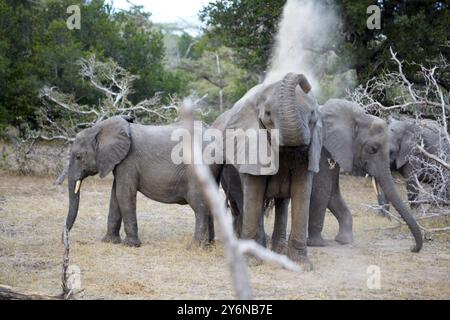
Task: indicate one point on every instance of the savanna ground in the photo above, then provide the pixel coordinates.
(32, 213)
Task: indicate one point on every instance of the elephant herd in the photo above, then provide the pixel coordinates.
(314, 144)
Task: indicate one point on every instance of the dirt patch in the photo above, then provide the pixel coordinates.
(32, 213)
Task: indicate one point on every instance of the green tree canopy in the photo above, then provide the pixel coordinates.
(417, 30)
(37, 49)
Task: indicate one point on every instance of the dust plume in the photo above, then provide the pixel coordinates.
(306, 30)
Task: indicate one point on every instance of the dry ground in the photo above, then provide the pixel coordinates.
(32, 213)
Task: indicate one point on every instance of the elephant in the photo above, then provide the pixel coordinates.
(404, 135)
(353, 141)
(289, 108)
(140, 158)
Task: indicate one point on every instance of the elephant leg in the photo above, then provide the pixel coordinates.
(340, 210)
(202, 234)
(237, 218)
(126, 196)
(320, 196)
(316, 221)
(254, 188)
(212, 234)
(301, 185)
(114, 218)
(279, 242)
(262, 238)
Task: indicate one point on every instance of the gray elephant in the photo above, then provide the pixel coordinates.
(286, 106)
(404, 135)
(353, 141)
(140, 158)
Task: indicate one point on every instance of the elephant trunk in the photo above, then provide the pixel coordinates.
(294, 123)
(74, 202)
(387, 184)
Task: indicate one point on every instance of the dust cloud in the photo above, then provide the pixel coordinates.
(306, 29)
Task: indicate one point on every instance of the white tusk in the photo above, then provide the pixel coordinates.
(77, 186)
(375, 186)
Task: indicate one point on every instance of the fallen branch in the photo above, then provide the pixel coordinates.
(13, 293)
(402, 223)
(433, 157)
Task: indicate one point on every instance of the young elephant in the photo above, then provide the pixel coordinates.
(353, 141)
(140, 158)
(403, 137)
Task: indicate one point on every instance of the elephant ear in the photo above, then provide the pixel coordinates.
(405, 147)
(244, 121)
(315, 147)
(112, 144)
(338, 117)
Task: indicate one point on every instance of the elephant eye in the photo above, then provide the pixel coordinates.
(268, 113)
(78, 156)
(372, 149)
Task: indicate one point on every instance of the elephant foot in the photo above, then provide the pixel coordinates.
(298, 253)
(317, 241)
(111, 238)
(344, 237)
(200, 243)
(279, 246)
(132, 241)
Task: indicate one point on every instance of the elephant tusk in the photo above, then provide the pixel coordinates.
(77, 186)
(375, 187)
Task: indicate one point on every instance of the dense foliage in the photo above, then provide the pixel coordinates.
(417, 30)
(37, 49)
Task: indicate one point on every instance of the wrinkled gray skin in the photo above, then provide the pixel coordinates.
(140, 158)
(403, 137)
(287, 106)
(354, 142)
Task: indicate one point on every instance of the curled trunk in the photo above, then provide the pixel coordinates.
(294, 129)
(387, 184)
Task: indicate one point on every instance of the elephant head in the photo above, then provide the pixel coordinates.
(401, 142)
(95, 150)
(359, 143)
(287, 106)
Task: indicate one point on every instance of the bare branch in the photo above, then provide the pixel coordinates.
(430, 160)
(251, 247)
(435, 158)
(400, 71)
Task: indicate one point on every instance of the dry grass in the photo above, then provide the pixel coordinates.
(32, 213)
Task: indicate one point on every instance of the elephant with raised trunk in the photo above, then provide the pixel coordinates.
(353, 141)
(140, 158)
(289, 107)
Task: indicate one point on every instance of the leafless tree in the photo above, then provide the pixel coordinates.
(61, 117)
(420, 102)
